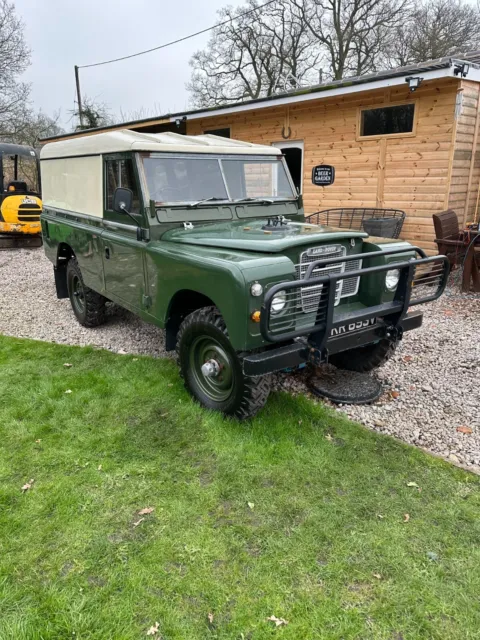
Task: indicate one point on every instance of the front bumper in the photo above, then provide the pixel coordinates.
(316, 334)
(301, 351)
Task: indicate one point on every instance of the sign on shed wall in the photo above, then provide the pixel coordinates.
(323, 175)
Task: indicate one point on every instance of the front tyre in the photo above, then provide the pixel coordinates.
(87, 305)
(364, 359)
(212, 370)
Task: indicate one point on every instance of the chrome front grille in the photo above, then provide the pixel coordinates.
(310, 297)
(351, 285)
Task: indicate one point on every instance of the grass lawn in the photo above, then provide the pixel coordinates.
(299, 514)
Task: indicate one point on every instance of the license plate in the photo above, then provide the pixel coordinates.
(352, 326)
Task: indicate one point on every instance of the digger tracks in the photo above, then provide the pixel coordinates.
(19, 241)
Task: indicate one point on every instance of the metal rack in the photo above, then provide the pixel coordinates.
(362, 219)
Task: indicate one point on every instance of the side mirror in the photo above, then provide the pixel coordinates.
(122, 200)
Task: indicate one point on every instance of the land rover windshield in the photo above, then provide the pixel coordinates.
(176, 180)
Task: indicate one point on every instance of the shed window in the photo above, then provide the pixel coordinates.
(386, 121)
(120, 173)
(224, 133)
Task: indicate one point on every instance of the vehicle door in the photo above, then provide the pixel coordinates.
(123, 253)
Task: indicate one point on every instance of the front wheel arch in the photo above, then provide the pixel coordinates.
(181, 305)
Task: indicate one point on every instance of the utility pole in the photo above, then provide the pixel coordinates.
(79, 97)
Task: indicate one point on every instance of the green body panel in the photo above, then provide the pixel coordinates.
(251, 236)
(215, 262)
(145, 277)
(123, 271)
(83, 235)
(217, 274)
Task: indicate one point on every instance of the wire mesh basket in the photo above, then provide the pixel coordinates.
(386, 223)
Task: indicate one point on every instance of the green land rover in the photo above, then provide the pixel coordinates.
(206, 237)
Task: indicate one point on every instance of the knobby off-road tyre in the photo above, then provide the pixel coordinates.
(364, 359)
(87, 305)
(202, 337)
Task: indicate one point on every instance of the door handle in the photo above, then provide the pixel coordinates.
(107, 253)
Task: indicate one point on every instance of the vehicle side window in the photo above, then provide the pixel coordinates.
(119, 173)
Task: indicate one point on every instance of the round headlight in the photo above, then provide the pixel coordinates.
(279, 302)
(392, 278)
(256, 289)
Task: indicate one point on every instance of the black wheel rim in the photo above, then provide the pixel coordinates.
(78, 295)
(217, 388)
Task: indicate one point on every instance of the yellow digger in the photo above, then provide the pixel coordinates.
(20, 203)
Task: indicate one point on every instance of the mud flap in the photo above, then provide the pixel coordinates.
(60, 274)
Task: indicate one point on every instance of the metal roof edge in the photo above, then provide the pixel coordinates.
(446, 71)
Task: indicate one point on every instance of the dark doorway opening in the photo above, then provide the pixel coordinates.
(293, 158)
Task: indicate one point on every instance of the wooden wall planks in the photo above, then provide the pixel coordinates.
(419, 173)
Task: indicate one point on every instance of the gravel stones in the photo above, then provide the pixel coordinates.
(29, 308)
(431, 385)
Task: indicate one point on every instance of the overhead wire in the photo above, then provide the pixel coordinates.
(169, 44)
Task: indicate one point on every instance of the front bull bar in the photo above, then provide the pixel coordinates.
(392, 313)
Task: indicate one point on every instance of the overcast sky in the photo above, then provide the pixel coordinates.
(62, 33)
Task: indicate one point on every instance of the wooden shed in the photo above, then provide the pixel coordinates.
(391, 146)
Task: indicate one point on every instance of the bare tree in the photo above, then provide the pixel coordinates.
(352, 32)
(141, 114)
(94, 114)
(254, 55)
(37, 126)
(14, 60)
(433, 30)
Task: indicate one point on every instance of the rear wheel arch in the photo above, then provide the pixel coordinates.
(181, 305)
(65, 253)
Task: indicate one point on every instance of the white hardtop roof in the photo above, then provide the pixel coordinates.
(126, 140)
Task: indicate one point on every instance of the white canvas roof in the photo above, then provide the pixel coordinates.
(126, 140)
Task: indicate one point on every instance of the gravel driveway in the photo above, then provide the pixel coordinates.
(432, 385)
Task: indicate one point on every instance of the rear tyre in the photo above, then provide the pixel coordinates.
(364, 359)
(203, 338)
(88, 305)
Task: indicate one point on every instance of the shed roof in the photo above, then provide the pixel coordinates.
(126, 140)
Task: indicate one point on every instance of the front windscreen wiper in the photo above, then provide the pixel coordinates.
(259, 200)
(214, 199)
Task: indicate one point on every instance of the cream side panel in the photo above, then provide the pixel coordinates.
(74, 184)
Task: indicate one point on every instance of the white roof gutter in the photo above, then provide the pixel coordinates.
(447, 72)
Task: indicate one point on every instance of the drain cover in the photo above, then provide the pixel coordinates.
(345, 387)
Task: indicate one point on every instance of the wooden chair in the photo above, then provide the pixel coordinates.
(450, 240)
